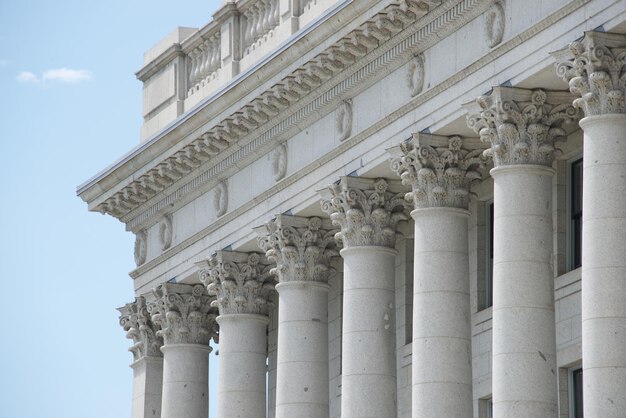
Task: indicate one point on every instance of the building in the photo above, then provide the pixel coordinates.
(376, 209)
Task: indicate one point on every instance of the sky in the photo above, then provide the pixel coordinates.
(70, 106)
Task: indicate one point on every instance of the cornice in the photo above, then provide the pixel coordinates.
(387, 120)
(279, 99)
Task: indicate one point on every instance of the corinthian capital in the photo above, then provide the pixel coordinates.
(521, 125)
(241, 282)
(439, 169)
(594, 68)
(136, 321)
(182, 311)
(367, 210)
(300, 247)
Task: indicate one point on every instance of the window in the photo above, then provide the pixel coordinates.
(575, 213)
(488, 254)
(576, 393)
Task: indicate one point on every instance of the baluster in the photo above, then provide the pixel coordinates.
(192, 68)
(203, 67)
(214, 55)
(258, 20)
(271, 19)
(245, 30)
(266, 16)
(276, 13)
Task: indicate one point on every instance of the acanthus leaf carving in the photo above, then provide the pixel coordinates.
(184, 314)
(439, 170)
(136, 321)
(301, 248)
(241, 282)
(522, 125)
(366, 210)
(595, 69)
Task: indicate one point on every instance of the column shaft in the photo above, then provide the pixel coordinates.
(442, 352)
(241, 368)
(185, 381)
(524, 346)
(147, 387)
(369, 349)
(604, 265)
(302, 364)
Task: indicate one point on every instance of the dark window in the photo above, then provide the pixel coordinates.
(489, 255)
(577, 392)
(576, 206)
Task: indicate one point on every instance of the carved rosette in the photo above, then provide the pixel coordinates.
(241, 282)
(183, 313)
(137, 323)
(300, 247)
(367, 211)
(594, 68)
(522, 125)
(439, 170)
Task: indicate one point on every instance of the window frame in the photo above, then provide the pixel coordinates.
(569, 225)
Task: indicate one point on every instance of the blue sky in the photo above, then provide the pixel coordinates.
(70, 106)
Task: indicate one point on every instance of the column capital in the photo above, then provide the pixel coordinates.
(594, 68)
(241, 282)
(367, 210)
(136, 321)
(439, 169)
(182, 311)
(521, 125)
(301, 247)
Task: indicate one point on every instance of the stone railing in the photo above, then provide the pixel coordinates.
(203, 62)
(259, 21)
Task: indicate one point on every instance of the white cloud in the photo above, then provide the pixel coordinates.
(61, 75)
(66, 75)
(27, 77)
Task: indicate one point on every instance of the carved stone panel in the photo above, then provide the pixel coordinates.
(494, 24)
(279, 162)
(415, 75)
(343, 120)
(141, 247)
(220, 198)
(165, 232)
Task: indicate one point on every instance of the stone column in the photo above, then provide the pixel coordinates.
(182, 311)
(595, 68)
(148, 360)
(521, 127)
(242, 284)
(301, 249)
(367, 211)
(440, 171)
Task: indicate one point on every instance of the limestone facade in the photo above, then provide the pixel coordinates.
(389, 209)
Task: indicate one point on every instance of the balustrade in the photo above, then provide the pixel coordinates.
(204, 61)
(259, 21)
